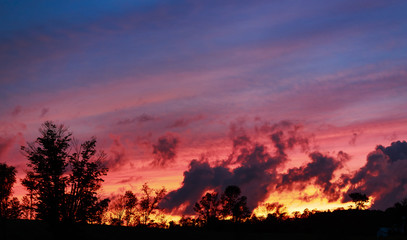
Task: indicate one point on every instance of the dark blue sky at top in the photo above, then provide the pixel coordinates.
(129, 37)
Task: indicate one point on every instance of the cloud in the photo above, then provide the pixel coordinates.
(5, 145)
(383, 176)
(16, 111)
(199, 177)
(129, 180)
(183, 122)
(319, 172)
(117, 154)
(43, 112)
(352, 141)
(139, 119)
(285, 135)
(254, 176)
(164, 151)
(355, 136)
(396, 151)
(254, 168)
(250, 166)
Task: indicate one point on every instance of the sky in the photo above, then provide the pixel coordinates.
(295, 102)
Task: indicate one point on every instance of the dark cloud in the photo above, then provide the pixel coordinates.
(308, 198)
(117, 155)
(319, 172)
(253, 167)
(199, 178)
(240, 140)
(129, 180)
(145, 118)
(5, 145)
(183, 122)
(179, 123)
(255, 173)
(285, 135)
(352, 141)
(44, 111)
(383, 176)
(238, 135)
(254, 176)
(139, 119)
(164, 150)
(16, 111)
(396, 151)
(355, 136)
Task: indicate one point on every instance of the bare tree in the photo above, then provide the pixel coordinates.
(123, 210)
(117, 210)
(149, 202)
(127, 210)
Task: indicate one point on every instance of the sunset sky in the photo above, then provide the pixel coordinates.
(287, 99)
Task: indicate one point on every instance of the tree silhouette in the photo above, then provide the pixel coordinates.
(127, 210)
(187, 222)
(359, 199)
(117, 210)
(48, 159)
(123, 210)
(278, 211)
(130, 206)
(149, 202)
(85, 179)
(398, 214)
(234, 205)
(208, 207)
(230, 204)
(29, 201)
(63, 186)
(9, 208)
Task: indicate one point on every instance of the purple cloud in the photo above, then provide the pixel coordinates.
(164, 151)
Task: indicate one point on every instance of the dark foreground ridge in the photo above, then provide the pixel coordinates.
(341, 224)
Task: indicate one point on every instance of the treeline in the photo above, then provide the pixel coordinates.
(64, 177)
(128, 210)
(341, 222)
(230, 213)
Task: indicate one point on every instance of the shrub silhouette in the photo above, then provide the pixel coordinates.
(359, 199)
